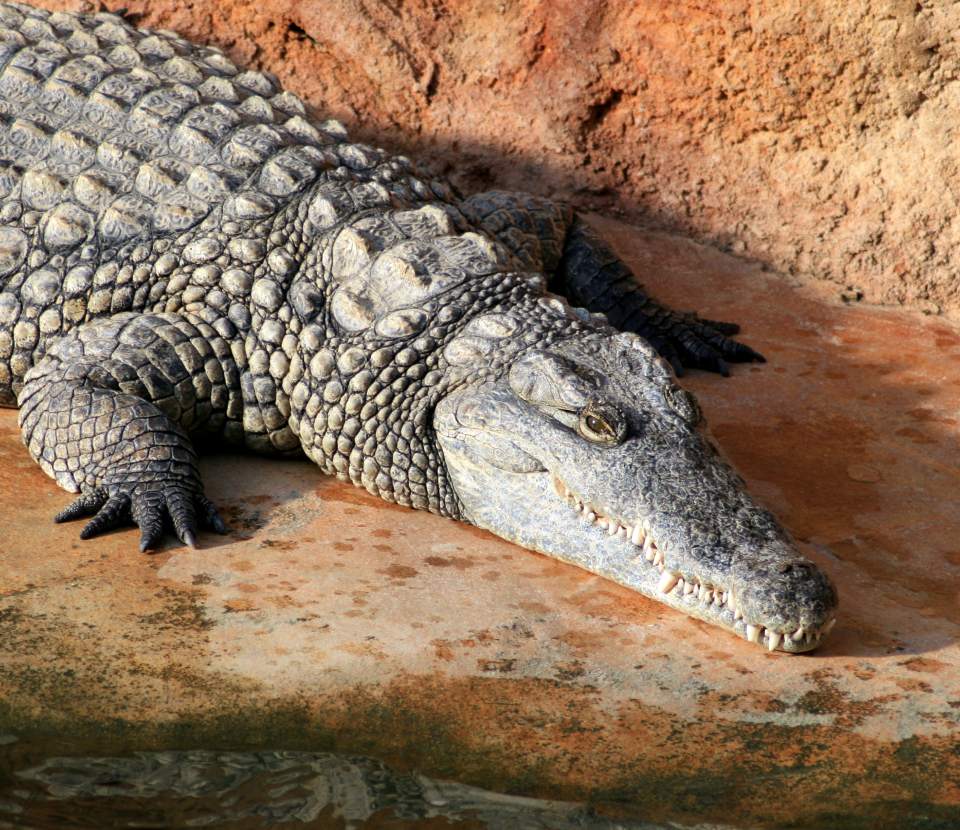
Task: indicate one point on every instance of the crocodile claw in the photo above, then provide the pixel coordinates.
(152, 508)
(687, 341)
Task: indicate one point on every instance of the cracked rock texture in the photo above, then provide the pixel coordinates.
(816, 137)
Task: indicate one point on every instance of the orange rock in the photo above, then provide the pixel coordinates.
(819, 139)
(377, 630)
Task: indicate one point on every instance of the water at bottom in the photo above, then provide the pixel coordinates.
(253, 790)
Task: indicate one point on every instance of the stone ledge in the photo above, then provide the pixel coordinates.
(330, 621)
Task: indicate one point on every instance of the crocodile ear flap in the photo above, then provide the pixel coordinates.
(306, 299)
(546, 379)
(683, 403)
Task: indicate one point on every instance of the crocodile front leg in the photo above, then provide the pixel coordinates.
(108, 413)
(550, 237)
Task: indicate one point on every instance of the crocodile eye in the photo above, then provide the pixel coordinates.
(602, 423)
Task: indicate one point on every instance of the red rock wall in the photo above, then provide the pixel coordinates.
(816, 136)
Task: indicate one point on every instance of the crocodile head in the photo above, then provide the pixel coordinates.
(590, 452)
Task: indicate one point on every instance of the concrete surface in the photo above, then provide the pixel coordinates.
(330, 621)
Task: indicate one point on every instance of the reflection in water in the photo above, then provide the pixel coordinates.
(251, 790)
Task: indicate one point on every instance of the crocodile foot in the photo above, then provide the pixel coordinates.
(688, 341)
(151, 505)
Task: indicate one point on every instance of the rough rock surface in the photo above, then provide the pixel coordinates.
(330, 620)
(815, 137)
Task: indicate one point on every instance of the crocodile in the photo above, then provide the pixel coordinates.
(189, 256)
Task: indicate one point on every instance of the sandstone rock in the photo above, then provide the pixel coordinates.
(816, 138)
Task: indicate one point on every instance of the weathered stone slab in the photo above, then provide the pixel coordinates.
(330, 621)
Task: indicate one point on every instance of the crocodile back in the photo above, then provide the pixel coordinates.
(113, 139)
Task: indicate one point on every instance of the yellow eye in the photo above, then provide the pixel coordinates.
(602, 423)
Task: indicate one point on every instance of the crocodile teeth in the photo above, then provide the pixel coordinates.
(668, 581)
(797, 635)
(640, 535)
(828, 627)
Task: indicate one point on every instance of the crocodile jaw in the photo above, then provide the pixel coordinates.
(574, 531)
(629, 554)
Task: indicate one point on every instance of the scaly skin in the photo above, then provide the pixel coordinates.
(185, 252)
